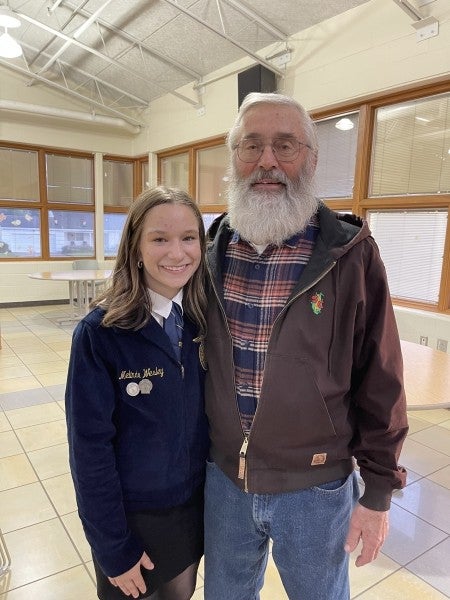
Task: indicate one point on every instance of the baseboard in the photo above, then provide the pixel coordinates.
(32, 303)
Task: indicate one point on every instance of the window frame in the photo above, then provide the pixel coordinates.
(361, 202)
(42, 204)
(192, 151)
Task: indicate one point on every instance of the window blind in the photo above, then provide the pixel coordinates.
(337, 154)
(411, 148)
(412, 247)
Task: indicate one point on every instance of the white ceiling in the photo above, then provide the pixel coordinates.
(119, 55)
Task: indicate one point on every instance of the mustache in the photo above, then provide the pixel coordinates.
(272, 175)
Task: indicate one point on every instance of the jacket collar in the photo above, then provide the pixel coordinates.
(338, 233)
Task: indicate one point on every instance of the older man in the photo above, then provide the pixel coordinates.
(305, 373)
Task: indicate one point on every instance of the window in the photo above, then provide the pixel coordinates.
(112, 230)
(71, 233)
(212, 164)
(20, 233)
(174, 171)
(145, 175)
(337, 138)
(70, 179)
(208, 160)
(47, 204)
(412, 247)
(117, 183)
(208, 218)
(19, 174)
(411, 149)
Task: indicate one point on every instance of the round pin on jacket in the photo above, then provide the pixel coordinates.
(132, 388)
(145, 385)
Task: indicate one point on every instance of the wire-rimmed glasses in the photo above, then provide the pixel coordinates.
(285, 149)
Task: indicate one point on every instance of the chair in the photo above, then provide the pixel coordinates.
(89, 264)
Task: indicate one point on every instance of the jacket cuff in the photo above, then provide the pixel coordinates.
(117, 563)
(376, 499)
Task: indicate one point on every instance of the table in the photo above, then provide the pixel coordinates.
(79, 281)
(427, 376)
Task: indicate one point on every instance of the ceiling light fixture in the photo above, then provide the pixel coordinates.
(9, 48)
(8, 19)
(345, 124)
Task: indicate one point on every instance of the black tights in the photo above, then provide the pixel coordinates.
(180, 587)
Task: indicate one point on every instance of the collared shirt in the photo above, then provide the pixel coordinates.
(257, 287)
(161, 306)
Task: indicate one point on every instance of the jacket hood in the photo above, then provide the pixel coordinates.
(338, 234)
(351, 228)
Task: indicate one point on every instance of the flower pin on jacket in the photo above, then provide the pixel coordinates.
(317, 301)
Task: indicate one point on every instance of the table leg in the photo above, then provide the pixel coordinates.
(80, 299)
(86, 296)
(71, 298)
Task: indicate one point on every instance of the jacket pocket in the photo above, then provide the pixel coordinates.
(292, 405)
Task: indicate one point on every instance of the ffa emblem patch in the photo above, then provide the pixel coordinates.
(317, 302)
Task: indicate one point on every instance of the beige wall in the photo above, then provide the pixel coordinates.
(369, 49)
(42, 130)
(412, 324)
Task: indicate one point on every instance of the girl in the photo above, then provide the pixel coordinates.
(134, 403)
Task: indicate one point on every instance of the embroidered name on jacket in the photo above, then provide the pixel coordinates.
(158, 372)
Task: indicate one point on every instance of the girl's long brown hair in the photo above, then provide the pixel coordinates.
(126, 301)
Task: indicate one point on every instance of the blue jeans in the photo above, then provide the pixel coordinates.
(308, 529)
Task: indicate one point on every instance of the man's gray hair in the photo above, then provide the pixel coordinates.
(259, 98)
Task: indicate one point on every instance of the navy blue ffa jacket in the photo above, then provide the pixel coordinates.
(136, 427)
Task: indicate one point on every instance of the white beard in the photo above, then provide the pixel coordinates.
(270, 217)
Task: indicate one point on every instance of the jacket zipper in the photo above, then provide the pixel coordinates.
(242, 470)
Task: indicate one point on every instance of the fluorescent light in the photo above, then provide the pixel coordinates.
(9, 48)
(345, 124)
(8, 19)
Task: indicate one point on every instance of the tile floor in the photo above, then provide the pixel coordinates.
(50, 557)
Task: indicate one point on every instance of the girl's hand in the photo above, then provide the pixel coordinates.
(131, 582)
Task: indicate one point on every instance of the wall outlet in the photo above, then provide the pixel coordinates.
(423, 340)
(442, 345)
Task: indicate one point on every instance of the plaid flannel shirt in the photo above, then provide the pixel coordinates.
(257, 287)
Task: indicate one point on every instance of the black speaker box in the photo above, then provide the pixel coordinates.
(256, 79)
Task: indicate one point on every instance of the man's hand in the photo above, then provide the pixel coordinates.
(131, 582)
(370, 526)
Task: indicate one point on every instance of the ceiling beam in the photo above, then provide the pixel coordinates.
(75, 36)
(136, 42)
(226, 37)
(63, 89)
(244, 10)
(104, 57)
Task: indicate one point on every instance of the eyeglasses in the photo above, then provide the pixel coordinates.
(284, 149)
